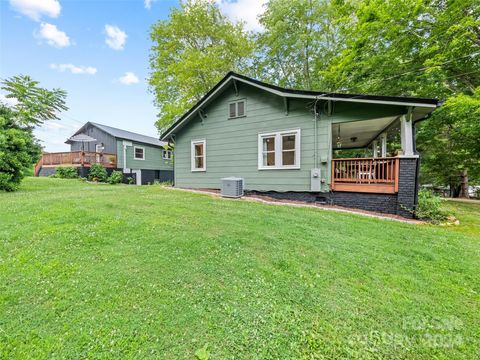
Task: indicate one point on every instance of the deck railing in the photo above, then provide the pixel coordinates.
(76, 158)
(365, 175)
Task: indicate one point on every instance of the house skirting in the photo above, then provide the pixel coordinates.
(148, 176)
(401, 203)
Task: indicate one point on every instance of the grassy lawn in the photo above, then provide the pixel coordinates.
(100, 271)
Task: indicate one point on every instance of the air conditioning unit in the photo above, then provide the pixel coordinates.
(232, 187)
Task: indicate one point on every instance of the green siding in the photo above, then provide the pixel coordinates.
(232, 144)
(153, 157)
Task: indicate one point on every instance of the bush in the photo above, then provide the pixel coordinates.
(18, 150)
(67, 172)
(131, 180)
(115, 178)
(430, 207)
(97, 173)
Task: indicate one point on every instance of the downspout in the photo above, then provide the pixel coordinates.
(124, 157)
(315, 134)
(417, 177)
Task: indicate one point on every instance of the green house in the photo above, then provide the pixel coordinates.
(289, 143)
(143, 158)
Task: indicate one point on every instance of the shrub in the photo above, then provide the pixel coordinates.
(131, 180)
(115, 178)
(97, 173)
(430, 207)
(18, 150)
(68, 172)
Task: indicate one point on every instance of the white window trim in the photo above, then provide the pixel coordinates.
(192, 155)
(278, 150)
(135, 153)
(168, 157)
(236, 108)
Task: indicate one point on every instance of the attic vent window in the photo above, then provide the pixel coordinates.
(236, 109)
(167, 154)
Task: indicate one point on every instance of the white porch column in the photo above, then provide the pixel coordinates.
(383, 139)
(406, 134)
(375, 148)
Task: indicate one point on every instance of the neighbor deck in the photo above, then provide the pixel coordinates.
(76, 159)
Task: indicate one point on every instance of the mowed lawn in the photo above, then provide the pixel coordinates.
(100, 271)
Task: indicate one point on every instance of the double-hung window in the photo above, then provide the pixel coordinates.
(167, 154)
(138, 153)
(199, 157)
(279, 150)
(236, 109)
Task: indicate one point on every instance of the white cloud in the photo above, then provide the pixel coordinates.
(9, 102)
(35, 9)
(129, 78)
(53, 36)
(116, 38)
(89, 70)
(148, 4)
(243, 10)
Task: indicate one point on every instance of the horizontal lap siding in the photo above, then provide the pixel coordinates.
(232, 144)
(153, 157)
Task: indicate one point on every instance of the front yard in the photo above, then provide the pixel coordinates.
(99, 271)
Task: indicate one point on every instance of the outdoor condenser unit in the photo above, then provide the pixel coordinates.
(232, 187)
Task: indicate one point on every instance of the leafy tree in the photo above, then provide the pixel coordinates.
(192, 51)
(450, 146)
(18, 149)
(300, 39)
(34, 104)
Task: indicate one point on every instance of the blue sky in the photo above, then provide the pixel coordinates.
(95, 50)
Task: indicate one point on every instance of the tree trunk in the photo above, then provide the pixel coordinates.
(454, 189)
(464, 186)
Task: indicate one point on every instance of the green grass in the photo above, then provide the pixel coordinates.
(100, 271)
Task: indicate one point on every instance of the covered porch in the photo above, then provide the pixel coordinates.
(367, 154)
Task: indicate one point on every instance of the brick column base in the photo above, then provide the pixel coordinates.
(407, 186)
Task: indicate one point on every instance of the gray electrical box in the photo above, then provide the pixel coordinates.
(315, 180)
(232, 187)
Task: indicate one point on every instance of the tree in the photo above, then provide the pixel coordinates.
(34, 104)
(300, 39)
(192, 51)
(19, 149)
(451, 147)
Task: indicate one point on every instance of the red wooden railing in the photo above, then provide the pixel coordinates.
(365, 175)
(76, 158)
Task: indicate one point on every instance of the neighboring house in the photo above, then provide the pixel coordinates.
(145, 158)
(282, 142)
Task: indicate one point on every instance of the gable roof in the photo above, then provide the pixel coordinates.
(292, 93)
(123, 134)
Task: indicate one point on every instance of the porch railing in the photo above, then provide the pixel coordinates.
(76, 158)
(378, 175)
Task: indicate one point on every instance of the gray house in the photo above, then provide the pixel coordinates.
(288, 144)
(142, 157)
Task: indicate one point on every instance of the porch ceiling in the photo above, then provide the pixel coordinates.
(358, 134)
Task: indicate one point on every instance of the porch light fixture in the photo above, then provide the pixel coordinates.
(339, 138)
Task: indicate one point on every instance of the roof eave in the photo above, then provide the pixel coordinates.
(288, 93)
